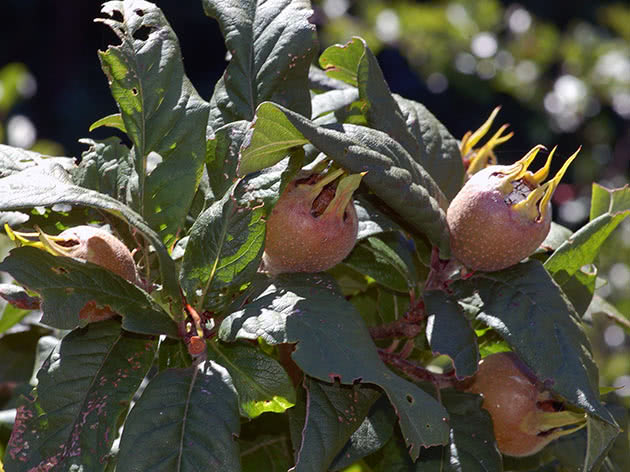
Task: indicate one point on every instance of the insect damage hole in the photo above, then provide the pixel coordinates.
(142, 33)
(410, 399)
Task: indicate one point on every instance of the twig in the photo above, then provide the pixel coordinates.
(417, 372)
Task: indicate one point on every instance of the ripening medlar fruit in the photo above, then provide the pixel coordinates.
(502, 213)
(93, 245)
(525, 418)
(313, 226)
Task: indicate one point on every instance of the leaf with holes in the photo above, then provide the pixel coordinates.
(86, 384)
(70, 288)
(186, 420)
(272, 44)
(308, 310)
(163, 114)
(261, 382)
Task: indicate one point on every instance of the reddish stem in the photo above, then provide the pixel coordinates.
(417, 372)
(409, 326)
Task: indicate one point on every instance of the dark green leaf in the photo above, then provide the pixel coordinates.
(47, 187)
(333, 100)
(67, 285)
(372, 435)
(107, 168)
(450, 333)
(392, 174)
(172, 353)
(225, 246)
(272, 44)
(162, 113)
(320, 81)
(334, 413)
(266, 453)
(261, 382)
(18, 350)
(84, 387)
(331, 336)
(185, 420)
(526, 307)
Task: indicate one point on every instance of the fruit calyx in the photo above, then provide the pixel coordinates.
(525, 417)
(313, 226)
(477, 159)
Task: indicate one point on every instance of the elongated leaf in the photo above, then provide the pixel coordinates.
(408, 122)
(113, 121)
(47, 187)
(450, 333)
(372, 221)
(331, 336)
(225, 246)
(391, 172)
(528, 309)
(161, 111)
(272, 44)
(68, 285)
(334, 413)
(84, 387)
(261, 382)
(107, 167)
(185, 420)
(609, 208)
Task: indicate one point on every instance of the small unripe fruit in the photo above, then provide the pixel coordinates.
(313, 226)
(525, 418)
(502, 214)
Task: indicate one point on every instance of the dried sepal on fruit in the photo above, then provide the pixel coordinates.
(314, 225)
(503, 213)
(525, 416)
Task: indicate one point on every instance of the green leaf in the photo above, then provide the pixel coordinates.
(162, 113)
(266, 452)
(46, 187)
(112, 121)
(307, 309)
(377, 428)
(450, 333)
(392, 174)
(14, 160)
(18, 347)
(84, 387)
(407, 122)
(334, 413)
(225, 246)
(10, 317)
(272, 44)
(222, 154)
(471, 445)
(384, 263)
(185, 420)
(106, 167)
(67, 285)
(609, 208)
(528, 309)
(261, 382)
(333, 100)
(372, 220)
